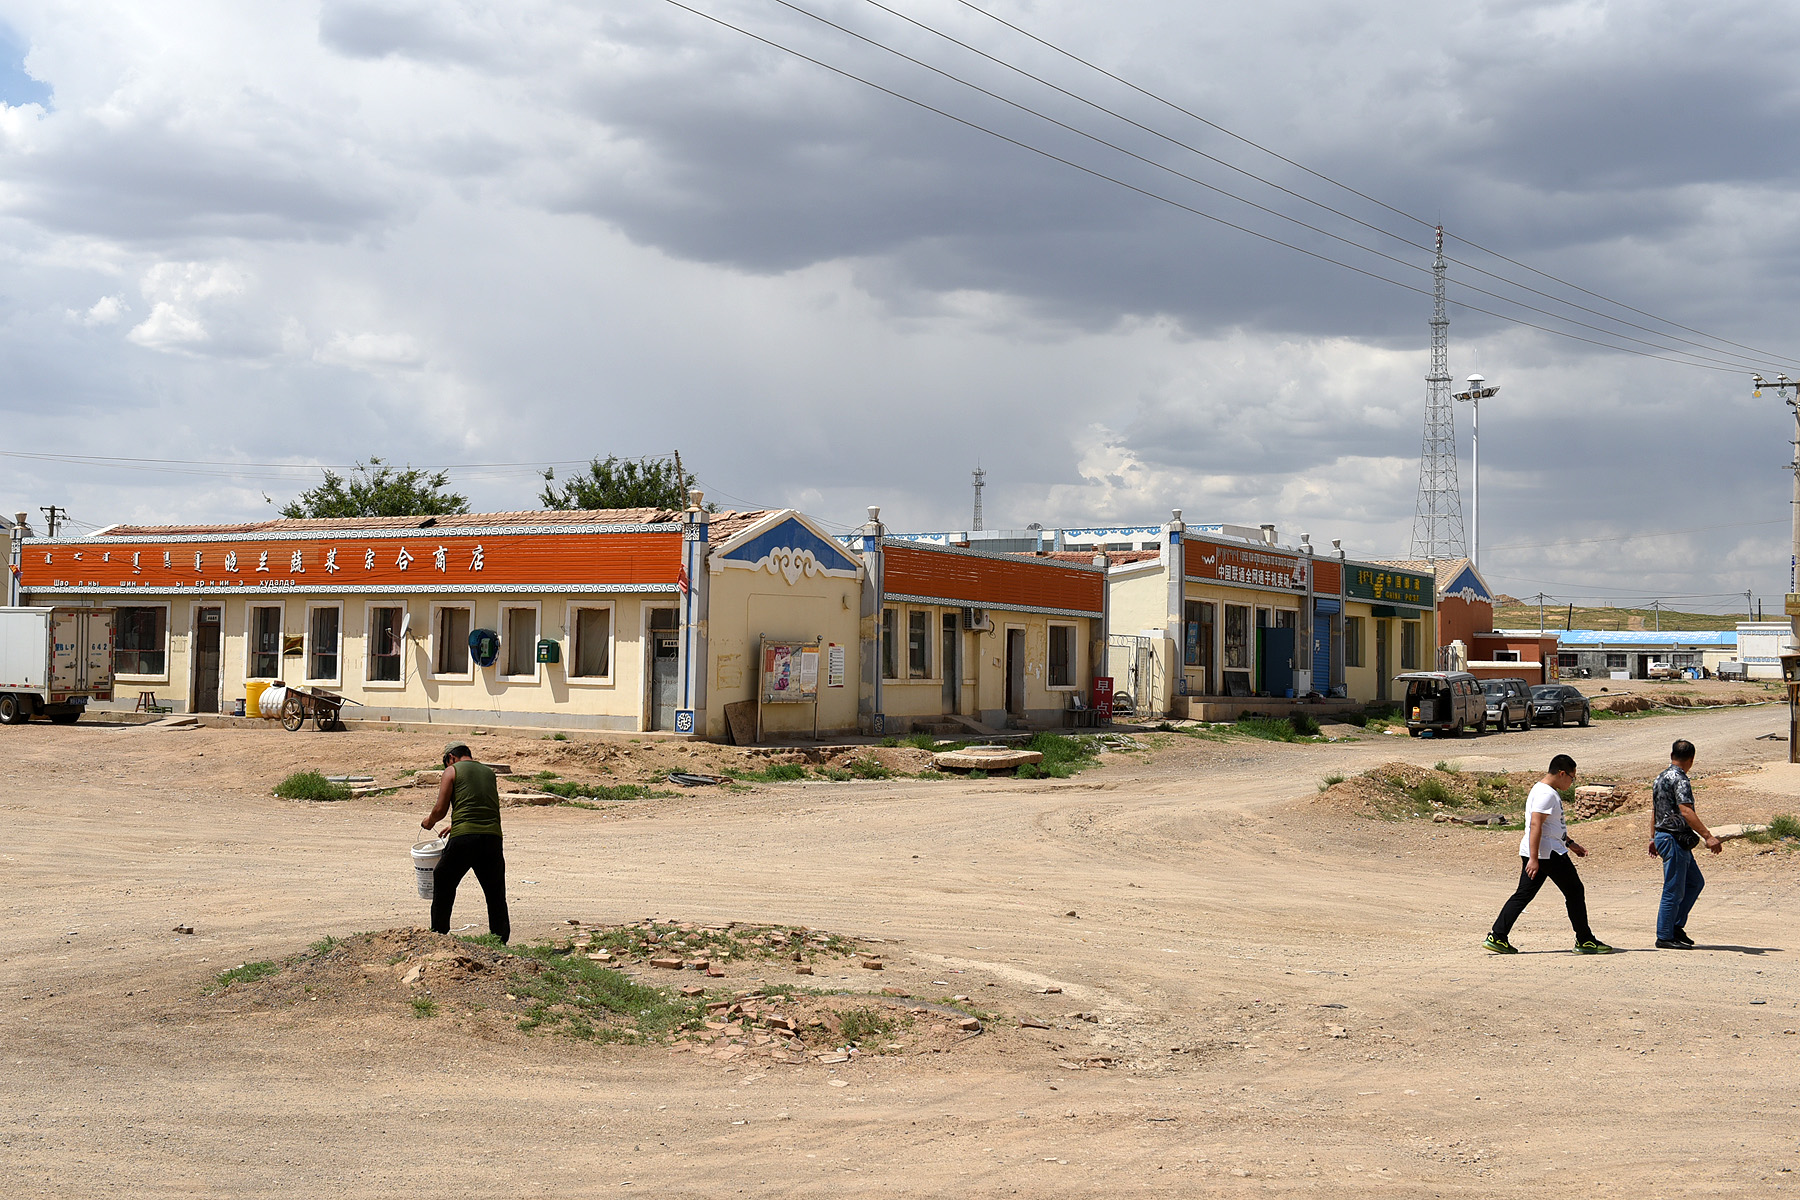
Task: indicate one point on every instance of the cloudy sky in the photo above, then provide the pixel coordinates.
(524, 232)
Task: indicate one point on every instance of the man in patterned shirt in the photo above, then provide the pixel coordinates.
(1674, 832)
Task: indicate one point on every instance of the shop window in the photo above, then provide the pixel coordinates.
(1409, 645)
(918, 643)
(322, 648)
(592, 656)
(384, 644)
(138, 639)
(518, 642)
(1284, 618)
(1353, 641)
(1062, 656)
(265, 642)
(450, 646)
(1237, 638)
(1197, 633)
(890, 644)
(1615, 662)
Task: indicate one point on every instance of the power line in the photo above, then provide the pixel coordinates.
(1734, 361)
(1301, 196)
(1255, 145)
(1632, 537)
(1152, 195)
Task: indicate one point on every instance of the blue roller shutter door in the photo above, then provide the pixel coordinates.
(1323, 611)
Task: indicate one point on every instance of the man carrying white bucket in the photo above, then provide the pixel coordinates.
(472, 798)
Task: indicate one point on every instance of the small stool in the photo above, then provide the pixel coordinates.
(146, 702)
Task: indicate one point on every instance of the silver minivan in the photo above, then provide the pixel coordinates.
(1443, 701)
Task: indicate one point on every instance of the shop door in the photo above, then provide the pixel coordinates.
(1015, 670)
(207, 624)
(1276, 668)
(949, 664)
(1643, 671)
(1381, 660)
(665, 662)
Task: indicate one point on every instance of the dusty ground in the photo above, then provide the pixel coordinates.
(1261, 993)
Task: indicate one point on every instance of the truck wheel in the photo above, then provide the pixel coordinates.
(12, 711)
(65, 718)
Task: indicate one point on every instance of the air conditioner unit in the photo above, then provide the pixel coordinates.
(976, 620)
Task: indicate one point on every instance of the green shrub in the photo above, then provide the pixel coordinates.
(920, 741)
(600, 791)
(424, 1006)
(1787, 825)
(866, 768)
(1334, 777)
(866, 1024)
(1278, 729)
(1063, 756)
(310, 785)
(1028, 771)
(773, 773)
(1433, 792)
(1445, 767)
(1304, 724)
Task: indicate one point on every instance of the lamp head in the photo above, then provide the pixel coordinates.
(1475, 382)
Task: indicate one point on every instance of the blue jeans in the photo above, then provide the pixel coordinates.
(1682, 882)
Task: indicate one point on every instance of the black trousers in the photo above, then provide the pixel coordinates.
(478, 852)
(1558, 869)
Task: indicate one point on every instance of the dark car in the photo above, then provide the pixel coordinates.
(1557, 703)
(1508, 703)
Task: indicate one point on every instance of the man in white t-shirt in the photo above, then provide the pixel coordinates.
(1544, 851)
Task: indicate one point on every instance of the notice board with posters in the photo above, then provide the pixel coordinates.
(788, 673)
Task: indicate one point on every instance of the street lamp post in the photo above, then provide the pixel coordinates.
(1475, 395)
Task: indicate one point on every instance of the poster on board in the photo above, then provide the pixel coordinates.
(790, 672)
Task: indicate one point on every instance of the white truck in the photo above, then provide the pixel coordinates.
(53, 661)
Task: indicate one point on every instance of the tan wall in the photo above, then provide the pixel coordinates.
(983, 668)
(1363, 683)
(746, 606)
(548, 696)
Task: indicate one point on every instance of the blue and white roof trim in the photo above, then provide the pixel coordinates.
(786, 543)
(1468, 586)
(1601, 638)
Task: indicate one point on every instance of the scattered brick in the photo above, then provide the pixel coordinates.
(803, 969)
(872, 964)
(968, 1023)
(1032, 1023)
(894, 991)
(693, 989)
(667, 964)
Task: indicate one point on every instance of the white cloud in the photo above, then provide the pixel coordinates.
(168, 328)
(372, 350)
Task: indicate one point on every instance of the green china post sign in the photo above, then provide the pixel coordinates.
(1383, 585)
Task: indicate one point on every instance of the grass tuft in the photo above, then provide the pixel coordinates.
(773, 773)
(1334, 777)
(243, 973)
(424, 1006)
(571, 790)
(867, 1024)
(310, 785)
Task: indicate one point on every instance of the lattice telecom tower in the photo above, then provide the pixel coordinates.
(980, 482)
(1438, 522)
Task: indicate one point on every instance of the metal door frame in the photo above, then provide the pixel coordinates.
(194, 610)
(647, 689)
(1382, 654)
(1009, 696)
(950, 659)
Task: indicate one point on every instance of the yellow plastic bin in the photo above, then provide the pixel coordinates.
(253, 698)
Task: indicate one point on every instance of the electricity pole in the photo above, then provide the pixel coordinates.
(1789, 391)
(1656, 607)
(1540, 600)
(53, 517)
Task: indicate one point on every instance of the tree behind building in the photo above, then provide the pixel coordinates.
(621, 483)
(376, 489)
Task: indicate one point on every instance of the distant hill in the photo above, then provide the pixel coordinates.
(1513, 613)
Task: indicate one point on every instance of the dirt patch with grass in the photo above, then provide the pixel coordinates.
(605, 986)
(1406, 791)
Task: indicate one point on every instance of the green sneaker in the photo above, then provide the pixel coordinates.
(1592, 947)
(1500, 945)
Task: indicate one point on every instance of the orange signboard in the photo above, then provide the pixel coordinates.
(1243, 565)
(365, 562)
(980, 581)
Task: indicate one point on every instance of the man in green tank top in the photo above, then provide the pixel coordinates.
(469, 794)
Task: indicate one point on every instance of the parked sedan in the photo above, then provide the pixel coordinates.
(1508, 703)
(1556, 703)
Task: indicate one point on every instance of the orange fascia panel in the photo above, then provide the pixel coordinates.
(979, 581)
(1328, 576)
(418, 562)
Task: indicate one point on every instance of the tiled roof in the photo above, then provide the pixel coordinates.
(547, 516)
(1086, 557)
(723, 526)
(1446, 569)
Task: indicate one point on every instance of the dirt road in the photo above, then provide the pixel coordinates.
(1287, 998)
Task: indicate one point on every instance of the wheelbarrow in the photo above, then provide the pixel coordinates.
(322, 706)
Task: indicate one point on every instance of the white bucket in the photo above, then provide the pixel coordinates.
(425, 856)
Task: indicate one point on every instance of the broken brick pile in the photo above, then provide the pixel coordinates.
(801, 1029)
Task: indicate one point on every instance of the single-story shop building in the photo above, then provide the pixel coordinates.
(635, 620)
